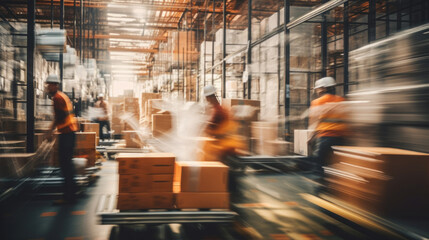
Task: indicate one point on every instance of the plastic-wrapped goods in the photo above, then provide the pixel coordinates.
(51, 40)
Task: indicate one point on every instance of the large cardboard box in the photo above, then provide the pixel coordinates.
(217, 200)
(201, 176)
(301, 141)
(378, 179)
(271, 147)
(146, 163)
(253, 108)
(86, 140)
(264, 130)
(161, 124)
(136, 183)
(132, 139)
(91, 127)
(89, 154)
(136, 201)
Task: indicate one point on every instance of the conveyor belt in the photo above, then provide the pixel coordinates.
(108, 214)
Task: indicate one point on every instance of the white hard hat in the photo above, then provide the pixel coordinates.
(52, 78)
(101, 95)
(209, 90)
(325, 82)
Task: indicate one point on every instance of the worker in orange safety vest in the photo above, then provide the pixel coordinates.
(66, 124)
(328, 119)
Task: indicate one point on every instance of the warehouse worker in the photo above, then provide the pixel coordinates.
(66, 124)
(328, 121)
(103, 119)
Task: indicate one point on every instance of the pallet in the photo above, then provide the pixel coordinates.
(108, 214)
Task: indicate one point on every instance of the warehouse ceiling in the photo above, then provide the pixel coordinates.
(125, 34)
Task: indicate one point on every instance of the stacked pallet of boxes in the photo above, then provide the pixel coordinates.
(243, 111)
(302, 144)
(161, 123)
(91, 127)
(144, 101)
(132, 139)
(85, 147)
(117, 110)
(385, 181)
(199, 184)
(145, 181)
(132, 106)
(265, 139)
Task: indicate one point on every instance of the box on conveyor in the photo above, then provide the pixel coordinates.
(152, 200)
(264, 130)
(301, 141)
(161, 124)
(132, 139)
(139, 183)
(271, 147)
(146, 163)
(216, 200)
(85, 147)
(384, 181)
(201, 176)
(91, 127)
(256, 104)
(16, 164)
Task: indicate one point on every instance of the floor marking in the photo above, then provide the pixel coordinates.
(279, 236)
(48, 214)
(78, 213)
(291, 203)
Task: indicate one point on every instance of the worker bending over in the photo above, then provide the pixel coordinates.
(65, 123)
(327, 117)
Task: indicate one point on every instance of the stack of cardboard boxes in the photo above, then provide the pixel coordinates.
(244, 111)
(132, 106)
(117, 111)
(144, 101)
(265, 140)
(132, 139)
(200, 184)
(92, 127)
(85, 147)
(161, 124)
(145, 181)
(153, 107)
(385, 181)
(302, 145)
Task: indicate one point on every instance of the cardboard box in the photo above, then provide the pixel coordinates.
(161, 124)
(201, 176)
(218, 200)
(255, 104)
(89, 154)
(136, 201)
(132, 139)
(264, 130)
(381, 179)
(146, 163)
(301, 142)
(91, 127)
(117, 128)
(135, 183)
(85, 140)
(271, 147)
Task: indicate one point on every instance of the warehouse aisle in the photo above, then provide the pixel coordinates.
(269, 205)
(36, 217)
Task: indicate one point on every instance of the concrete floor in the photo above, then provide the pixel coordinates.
(269, 207)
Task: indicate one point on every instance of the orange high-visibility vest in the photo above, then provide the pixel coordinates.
(331, 124)
(64, 117)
